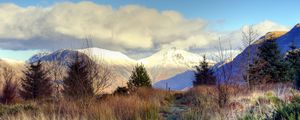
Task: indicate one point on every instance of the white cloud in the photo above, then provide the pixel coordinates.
(127, 28)
(209, 40)
(261, 28)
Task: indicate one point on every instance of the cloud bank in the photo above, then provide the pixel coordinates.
(128, 28)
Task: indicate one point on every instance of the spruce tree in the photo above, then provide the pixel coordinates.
(293, 59)
(139, 78)
(256, 75)
(78, 83)
(269, 67)
(204, 75)
(36, 84)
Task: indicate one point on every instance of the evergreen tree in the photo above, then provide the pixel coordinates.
(256, 74)
(139, 78)
(203, 75)
(36, 84)
(78, 83)
(269, 67)
(293, 58)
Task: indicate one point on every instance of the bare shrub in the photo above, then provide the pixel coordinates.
(10, 88)
(249, 36)
(100, 73)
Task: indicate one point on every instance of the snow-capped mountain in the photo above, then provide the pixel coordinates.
(173, 57)
(119, 63)
(160, 65)
(107, 56)
(169, 62)
(64, 55)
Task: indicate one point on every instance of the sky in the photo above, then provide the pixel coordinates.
(135, 27)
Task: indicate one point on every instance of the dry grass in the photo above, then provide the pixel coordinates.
(203, 101)
(145, 104)
(151, 104)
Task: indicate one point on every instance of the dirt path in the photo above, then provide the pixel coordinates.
(176, 108)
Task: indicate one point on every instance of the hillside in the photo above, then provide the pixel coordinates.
(234, 69)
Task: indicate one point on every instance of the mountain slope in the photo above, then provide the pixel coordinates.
(117, 62)
(107, 56)
(172, 57)
(236, 68)
(180, 81)
(287, 39)
(233, 70)
(161, 65)
(169, 62)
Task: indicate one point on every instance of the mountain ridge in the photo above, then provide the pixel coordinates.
(161, 65)
(236, 67)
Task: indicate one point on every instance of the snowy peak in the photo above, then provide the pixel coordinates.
(63, 55)
(38, 56)
(107, 55)
(172, 56)
(97, 54)
(161, 65)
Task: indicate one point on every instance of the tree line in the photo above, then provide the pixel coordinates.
(85, 79)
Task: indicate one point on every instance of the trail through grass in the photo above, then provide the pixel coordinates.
(176, 107)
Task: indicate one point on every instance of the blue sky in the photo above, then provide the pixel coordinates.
(17, 54)
(223, 15)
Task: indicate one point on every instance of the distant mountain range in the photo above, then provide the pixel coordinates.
(161, 65)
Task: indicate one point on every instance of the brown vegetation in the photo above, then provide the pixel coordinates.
(145, 104)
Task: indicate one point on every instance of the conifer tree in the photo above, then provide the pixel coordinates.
(293, 59)
(204, 75)
(269, 67)
(36, 84)
(139, 78)
(78, 83)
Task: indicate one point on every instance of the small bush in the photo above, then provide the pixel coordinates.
(9, 92)
(288, 111)
(121, 91)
